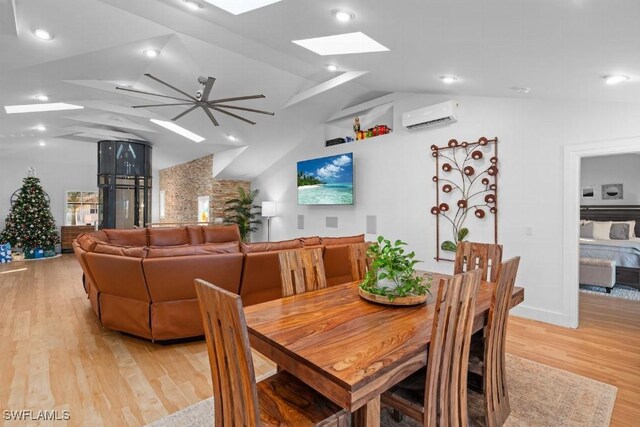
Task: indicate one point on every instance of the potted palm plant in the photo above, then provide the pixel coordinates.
(392, 278)
(243, 211)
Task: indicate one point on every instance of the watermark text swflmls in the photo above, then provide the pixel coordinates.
(36, 415)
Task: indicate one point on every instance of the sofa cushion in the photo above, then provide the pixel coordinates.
(186, 250)
(136, 237)
(171, 251)
(310, 241)
(218, 248)
(196, 236)
(221, 233)
(283, 245)
(347, 240)
(130, 251)
(168, 236)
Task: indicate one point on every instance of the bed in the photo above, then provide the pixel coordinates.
(626, 253)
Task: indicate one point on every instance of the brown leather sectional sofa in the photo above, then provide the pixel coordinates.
(141, 281)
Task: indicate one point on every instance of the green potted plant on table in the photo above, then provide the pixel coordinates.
(392, 278)
(243, 211)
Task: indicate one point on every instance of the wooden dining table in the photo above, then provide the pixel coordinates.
(349, 349)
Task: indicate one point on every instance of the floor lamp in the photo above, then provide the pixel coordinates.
(269, 211)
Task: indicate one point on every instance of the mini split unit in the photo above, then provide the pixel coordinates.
(438, 114)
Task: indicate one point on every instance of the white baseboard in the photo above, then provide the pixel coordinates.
(548, 316)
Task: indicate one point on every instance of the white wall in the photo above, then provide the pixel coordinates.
(620, 169)
(56, 178)
(393, 181)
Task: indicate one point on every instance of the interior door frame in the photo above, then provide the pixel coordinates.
(573, 154)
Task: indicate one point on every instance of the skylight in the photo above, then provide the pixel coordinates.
(237, 7)
(179, 130)
(342, 44)
(36, 108)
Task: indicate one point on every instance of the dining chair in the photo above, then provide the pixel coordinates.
(487, 357)
(359, 260)
(301, 270)
(484, 256)
(437, 394)
(278, 400)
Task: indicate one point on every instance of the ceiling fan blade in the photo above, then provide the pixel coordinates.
(149, 93)
(207, 88)
(184, 113)
(233, 115)
(161, 105)
(236, 98)
(213, 119)
(244, 109)
(170, 86)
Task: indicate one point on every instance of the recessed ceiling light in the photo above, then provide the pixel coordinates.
(192, 4)
(178, 129)
(40, 128)
(341, 44)
(43, 98)
(448, 79)
(343, 15)
(236, 7)
(42, 143)
(614, 79)
(232, 138)
(42, 34)
(36, 108)
(151, 53)
(332, 68)
(521, 89)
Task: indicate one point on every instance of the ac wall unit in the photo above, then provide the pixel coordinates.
(438, 114)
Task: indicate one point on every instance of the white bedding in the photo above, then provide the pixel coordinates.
(626, 253)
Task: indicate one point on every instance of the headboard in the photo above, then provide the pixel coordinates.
(612, 213)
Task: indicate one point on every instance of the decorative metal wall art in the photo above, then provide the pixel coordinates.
(467, 178)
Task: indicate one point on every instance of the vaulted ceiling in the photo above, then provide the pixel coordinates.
(558, 48)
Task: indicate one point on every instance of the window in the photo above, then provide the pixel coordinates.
(81, 208)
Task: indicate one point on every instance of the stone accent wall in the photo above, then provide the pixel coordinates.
(183, 184)
(221, 191)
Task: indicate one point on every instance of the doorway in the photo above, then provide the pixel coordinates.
(573, 155)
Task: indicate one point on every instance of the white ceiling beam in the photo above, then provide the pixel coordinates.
(323, 87)
(106, 121)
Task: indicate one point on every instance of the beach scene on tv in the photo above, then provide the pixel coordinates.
(326, 180)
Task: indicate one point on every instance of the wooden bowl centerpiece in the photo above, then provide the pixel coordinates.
(391, 278)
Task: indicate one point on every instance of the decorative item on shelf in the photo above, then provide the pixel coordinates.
(356, 126)
(5, 253)
(335, 141)
(466, 174)
(392, 278)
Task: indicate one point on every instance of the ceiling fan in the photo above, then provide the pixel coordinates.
(201, 100)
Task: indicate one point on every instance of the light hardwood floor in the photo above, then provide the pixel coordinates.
(55, 355)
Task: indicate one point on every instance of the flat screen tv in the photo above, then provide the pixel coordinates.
(326, 180)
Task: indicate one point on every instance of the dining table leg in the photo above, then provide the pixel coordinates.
(368, 415)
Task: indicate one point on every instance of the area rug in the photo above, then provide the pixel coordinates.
(540, 396)
(618, 291)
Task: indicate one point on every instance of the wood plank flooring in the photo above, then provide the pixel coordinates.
(54, 355)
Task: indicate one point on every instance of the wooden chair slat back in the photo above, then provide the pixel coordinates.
(497, 407)
(234, 385)
(482, 256)
(446, 381)
(301, 270)
(360, 261)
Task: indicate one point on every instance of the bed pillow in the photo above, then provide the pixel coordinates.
(619, 231)
(586, 231)
(601, 230)
(632, 227)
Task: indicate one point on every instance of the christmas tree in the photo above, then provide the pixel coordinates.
(30, 224)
